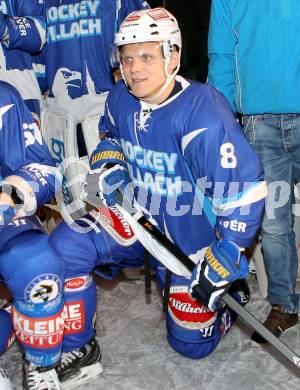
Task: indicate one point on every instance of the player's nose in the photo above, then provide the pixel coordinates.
(136, 65)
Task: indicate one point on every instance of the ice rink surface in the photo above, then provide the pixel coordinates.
(136, 355)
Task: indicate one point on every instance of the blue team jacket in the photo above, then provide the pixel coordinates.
(254, 52)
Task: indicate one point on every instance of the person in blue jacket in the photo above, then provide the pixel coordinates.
(254, 61)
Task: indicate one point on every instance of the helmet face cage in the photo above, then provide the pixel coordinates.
(150, 25)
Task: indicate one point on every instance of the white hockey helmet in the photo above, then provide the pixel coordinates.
(5, 383)
(150, 25)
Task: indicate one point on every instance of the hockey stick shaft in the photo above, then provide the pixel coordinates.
(177, 254)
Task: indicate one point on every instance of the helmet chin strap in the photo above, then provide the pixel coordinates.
(169, 79)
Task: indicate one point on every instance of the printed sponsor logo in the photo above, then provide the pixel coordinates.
(45, 332)
(234, 225)
(220, 270)
(132, 18)
(74, 314)
(42, 360)
(188, 312)
(157, 14)
(107, 154)
(80, 283)
(115, 225)
(74, 283)
(73, 20)
(207, 332)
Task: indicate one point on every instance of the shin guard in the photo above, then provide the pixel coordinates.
(80, 311)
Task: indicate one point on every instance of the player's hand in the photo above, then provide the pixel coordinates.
(211, 278)
(106, 184)
(2, 25)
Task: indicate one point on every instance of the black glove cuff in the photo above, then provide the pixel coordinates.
(12, 192)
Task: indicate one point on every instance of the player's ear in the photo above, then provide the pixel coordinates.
(174, 60)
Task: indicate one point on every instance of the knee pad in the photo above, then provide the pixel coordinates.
(27, 258)
(39, 328)
(106, 243)
(192, 329)
(7, 335)
(79, 311)
(76, 250)
(34, 275)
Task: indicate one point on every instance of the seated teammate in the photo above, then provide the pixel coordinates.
(28, 265)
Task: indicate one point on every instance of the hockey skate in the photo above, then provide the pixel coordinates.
(80, 366)
(39, 378)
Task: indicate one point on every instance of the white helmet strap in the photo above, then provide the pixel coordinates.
(167, 52)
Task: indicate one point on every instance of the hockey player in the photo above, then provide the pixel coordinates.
(171, 134)
(22, 31)
(180, 145)
(79, 74)
(28, 265)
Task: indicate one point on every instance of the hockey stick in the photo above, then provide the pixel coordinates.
(178, 262)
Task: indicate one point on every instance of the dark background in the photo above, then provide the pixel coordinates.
(193, 18)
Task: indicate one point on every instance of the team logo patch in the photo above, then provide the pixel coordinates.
(43, 288)
(74, 317)
(187, 312)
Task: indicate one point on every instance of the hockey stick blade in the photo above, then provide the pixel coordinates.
(178, 262)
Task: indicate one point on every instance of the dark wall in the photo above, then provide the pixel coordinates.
(193, 18)
(155, 3)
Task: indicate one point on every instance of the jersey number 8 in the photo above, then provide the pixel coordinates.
(228, 159)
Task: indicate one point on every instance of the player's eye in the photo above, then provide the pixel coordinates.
(146, 58)
(126, 60)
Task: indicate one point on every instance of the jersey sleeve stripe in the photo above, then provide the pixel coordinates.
(189, 137)
(254, 194)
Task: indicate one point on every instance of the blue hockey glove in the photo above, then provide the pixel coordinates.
(222, 264)
(2, 26)
(106, 184)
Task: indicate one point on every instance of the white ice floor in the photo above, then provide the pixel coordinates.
(136, 355)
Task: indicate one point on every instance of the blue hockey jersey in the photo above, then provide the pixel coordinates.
(24, 34)
(80, 35)
(191, 165)
(23, 152)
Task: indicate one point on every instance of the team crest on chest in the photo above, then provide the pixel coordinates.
(140, 120)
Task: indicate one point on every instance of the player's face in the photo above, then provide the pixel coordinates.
(144, 70)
